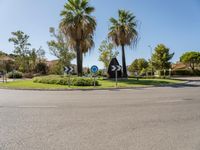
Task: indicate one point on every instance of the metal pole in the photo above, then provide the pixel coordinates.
(3, 76)
(94, 81)
(3, 72)
(69, 80)
(6, 77)
(116, 78)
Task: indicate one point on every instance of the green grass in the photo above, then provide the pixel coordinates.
(142, 82)
(28, 84)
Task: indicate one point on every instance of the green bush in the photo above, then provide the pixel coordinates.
(74, 81)
(16, 75)
(186, 72)
(51, 80)
(28, 75)
(41, 68)
(84, 82)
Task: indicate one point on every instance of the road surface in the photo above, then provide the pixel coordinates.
(166, 118)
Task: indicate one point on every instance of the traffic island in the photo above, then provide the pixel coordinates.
(81, 84)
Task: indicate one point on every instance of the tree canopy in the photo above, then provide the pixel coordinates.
(107, 53)
(20, 41)
(26, 58)
(78, 25)
(138, 65)
(2, 53)
(59, 48)
(161, 57)
(21, 49)
(192, 59)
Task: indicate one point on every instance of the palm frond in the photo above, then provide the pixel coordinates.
(123, 31)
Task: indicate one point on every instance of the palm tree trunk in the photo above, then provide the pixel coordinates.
(124, 63)
(79, 59)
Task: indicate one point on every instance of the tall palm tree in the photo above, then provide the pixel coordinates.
(78, 26)
(123, 32)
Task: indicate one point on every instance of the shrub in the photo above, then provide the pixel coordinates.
(84, 82)
(185, 72)
(41, 68)
(55, 69)
(28, 75)
(16, 74)
(51, 80)
(74, 81)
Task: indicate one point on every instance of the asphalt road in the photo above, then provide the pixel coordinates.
(166, 118)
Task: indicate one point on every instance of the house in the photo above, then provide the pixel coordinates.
(179, 66)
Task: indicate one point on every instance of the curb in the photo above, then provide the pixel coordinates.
(97, 89)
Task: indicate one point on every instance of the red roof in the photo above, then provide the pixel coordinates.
(179, 66)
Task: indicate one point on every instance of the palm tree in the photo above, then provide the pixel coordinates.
(78, 26)
(123, 32)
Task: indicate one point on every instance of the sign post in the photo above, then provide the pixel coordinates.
(68, 70)
(94, 69)
(116, 68)
(170, 72)
(116, 81)
(164, 72)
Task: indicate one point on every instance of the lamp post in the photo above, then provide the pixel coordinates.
(151, 61)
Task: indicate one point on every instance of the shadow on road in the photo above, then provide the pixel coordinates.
(184, 85)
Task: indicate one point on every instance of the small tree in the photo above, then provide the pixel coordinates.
(107, 53)
(138, 65)
(3, 54)
(192, 59)
(41, 68)
(21, 48)
(161, 58)
(6, 63)
(59, 48)
(36, 56)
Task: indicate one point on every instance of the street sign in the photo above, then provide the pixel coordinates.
(68, 70)
(94, 69)
(116, 68)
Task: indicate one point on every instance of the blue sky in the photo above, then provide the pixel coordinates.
(175, 23)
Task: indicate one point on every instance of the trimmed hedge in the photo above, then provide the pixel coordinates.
(84, 82)
(60, 80)
(186, 72)
(16, 75)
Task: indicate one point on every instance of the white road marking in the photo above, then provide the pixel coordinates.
(36, 106)
(169, 101)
